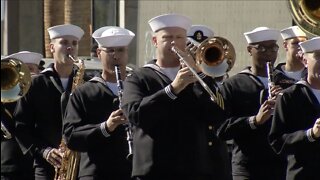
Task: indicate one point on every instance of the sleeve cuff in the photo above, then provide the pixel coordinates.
(201, 75)
(169, 92)
(309, 135)
(104, 130)
(46, 152)
(252, 119)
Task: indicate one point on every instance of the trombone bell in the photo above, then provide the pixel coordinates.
(215, 56)
(15, 80)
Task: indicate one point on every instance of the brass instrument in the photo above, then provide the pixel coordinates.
(217, 98)
(215, 56)
(70, 159)
(15, 83)
(306, 14)
(15, 80)
(128, 125)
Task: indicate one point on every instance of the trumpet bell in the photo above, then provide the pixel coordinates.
(306, 14)
(15, 80)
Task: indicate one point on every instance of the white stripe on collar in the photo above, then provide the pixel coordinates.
(99, 79)
(47, 69)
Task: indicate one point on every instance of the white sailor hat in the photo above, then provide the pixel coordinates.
(310, 45)
(65, 30)
(113, 36)
(169, 20)
(291, 32)
(27, 57)
(261, 34)
(200, 32)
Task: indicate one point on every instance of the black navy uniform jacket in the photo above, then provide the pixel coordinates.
(282, 79)
(172, 137)
(38, 117)
(296, 111)
(252, 155)
(102, 157)
(13, 162)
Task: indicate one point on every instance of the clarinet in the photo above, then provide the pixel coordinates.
(128, 125)
(270, 78)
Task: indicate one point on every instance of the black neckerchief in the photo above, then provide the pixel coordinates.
(248, 72)
(152, 65)
(102, 83)
(263, 92)
(308, 90)
(55, 79)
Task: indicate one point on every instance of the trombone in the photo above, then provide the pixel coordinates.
(213, 97)
(15, 83)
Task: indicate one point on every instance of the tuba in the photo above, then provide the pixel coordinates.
(70, 159)
(215, 56)
(306, 14)
(15, 83)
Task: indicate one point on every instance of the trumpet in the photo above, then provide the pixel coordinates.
(217, 98)
(128, 125)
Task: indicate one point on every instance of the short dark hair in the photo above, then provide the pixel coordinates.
(94, 47)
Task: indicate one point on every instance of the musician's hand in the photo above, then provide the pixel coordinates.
(275, 90)
(182, 80)
(115, 119)
(316, 128)
(188, 59)
(265, 111)
(54, 157)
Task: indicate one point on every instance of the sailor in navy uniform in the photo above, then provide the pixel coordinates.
(295, 130)
(38, 114)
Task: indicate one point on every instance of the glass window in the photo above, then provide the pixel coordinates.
(104, 13)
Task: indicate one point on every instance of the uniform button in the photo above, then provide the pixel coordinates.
(210, 143)
(210, 127)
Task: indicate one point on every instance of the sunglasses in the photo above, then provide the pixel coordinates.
(261, 48)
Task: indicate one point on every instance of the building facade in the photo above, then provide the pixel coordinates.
(24, 22)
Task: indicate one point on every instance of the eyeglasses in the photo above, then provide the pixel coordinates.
(261, 48)
(114, 50)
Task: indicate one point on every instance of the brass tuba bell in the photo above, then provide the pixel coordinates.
(15, 80)
(215, 56)
(306, 14)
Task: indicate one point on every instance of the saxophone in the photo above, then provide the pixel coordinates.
(70, 159)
